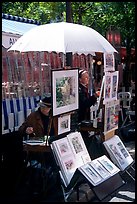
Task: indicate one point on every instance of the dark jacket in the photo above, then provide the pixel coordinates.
(35, 120)
(85, 102)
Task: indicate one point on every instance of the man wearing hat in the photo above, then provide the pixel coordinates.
(37, 125)
(85, 99)
(40, 123)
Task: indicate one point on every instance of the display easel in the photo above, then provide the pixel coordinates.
(108, 187)
(129, 171)
(100, 191)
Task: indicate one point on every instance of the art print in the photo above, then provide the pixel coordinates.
(109, 62)
(111, 115)
(64, 90)
(85, 158)
(110, 86)
(63, 124)
(107, 87)
(63, 147)
(108, 164)
(123, 150)
(78, 148)
(69, 164)
(100, 169)
(77, 145)
(117, 154)
(91, 173)
(115, 77)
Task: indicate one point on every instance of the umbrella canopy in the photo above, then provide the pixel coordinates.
(62, 37)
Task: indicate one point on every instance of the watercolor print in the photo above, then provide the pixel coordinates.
(63, 124)
(109, 62)
(107, 87)
(117, 154)
(91, 173)
(114, 85)
(110, 86)
(78, 148)
(122, 149)
(69, 164)
(100, 169)
(108, 164)
(111, 115)
(64, 90)
(76, 144)
(63, 147)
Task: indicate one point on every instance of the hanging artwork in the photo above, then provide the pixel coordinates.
(111, 115)
(63, 124)
(110, 86)
(109, 62)
(64, 90)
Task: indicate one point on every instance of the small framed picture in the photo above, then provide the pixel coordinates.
(63, 124)
(110, 86)
(109, 62)
(64, 90)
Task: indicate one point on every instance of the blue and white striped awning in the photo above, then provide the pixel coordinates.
(13, 27)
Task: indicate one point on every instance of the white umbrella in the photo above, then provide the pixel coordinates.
(63, 37)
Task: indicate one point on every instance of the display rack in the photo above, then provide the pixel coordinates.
(101, 191)
(101, 188)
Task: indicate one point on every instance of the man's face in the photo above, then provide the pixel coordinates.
(84, 79)
(45, 110)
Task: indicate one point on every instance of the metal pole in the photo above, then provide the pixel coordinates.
(68, 19)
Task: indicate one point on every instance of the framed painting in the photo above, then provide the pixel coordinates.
(63, 124)
(64, 90)
(111, 115)
(110, 86)
(109, 62)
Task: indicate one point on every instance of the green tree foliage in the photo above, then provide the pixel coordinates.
(98, 15)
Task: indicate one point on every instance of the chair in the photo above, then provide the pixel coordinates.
(125, 100)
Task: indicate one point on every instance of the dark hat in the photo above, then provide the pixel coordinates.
(45, 102)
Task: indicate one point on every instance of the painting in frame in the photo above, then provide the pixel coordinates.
(63, 124)
(64, 90)
(109, 62)
(111, 115)
(110, 86)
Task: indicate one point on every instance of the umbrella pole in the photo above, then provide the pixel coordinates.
(91, 75)
(63, 60)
